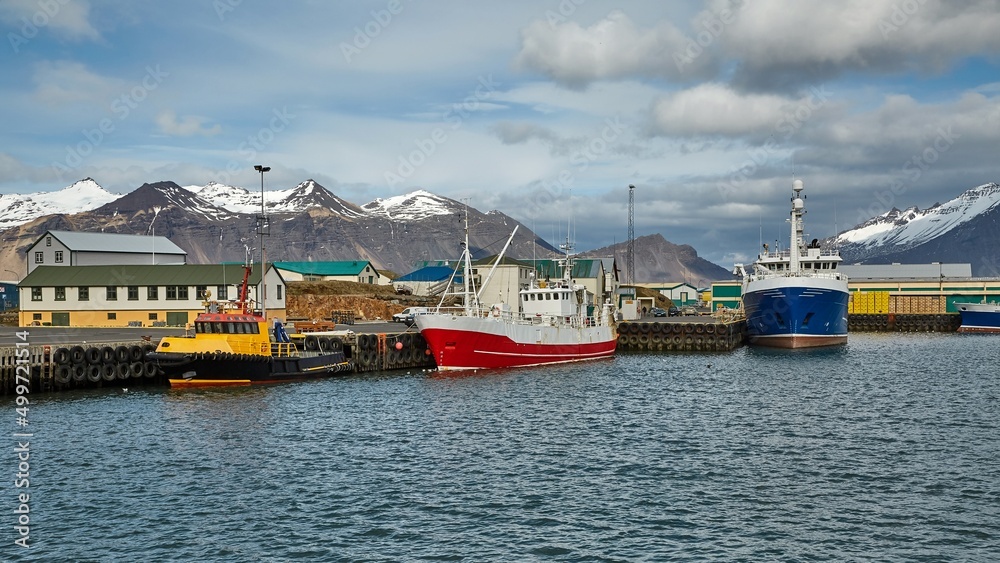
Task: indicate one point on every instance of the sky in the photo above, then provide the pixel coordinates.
(545, 110)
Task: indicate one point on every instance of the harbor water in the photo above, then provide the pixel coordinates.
(887, 448)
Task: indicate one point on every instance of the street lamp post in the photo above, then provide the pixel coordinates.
(261, 222)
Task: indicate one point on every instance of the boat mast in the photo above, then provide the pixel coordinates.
(471, 299)
(796, 241)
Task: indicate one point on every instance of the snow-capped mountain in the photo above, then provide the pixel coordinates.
(307, 195)
(17, 209)
(413, 206)
(963, 229)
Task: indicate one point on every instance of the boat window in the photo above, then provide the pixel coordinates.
(548, 296)
(199, 327)
(231, 328)
(217, 328)
(254, 329)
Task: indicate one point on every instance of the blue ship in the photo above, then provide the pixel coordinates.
(979, 317)
(796, 298)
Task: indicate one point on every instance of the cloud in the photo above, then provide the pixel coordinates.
(612, 48)
(186, 127)
(713, 109)
(69, 20)
(780, 45)
(65, 82)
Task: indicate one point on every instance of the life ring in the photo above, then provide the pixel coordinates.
(61, 357)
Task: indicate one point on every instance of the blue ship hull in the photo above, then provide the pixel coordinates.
(978, 317)
(796, 316)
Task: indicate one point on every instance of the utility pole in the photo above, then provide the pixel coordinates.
(264, 229)
(630, 252)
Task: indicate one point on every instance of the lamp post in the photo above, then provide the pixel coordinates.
(261, 222)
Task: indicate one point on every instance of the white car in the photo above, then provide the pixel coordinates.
(406, 316)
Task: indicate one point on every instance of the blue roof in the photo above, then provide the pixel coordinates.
(429, 274)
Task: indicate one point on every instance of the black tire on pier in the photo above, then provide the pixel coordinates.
(121, 371)
(135, 369)
(121, 354)
(107, 355)
(135, 353)
(149, 370)
(64, 372)
(108, 372)
(93, 356)
(94, 372)
(61, 356)
(77, 355)
(79, 372)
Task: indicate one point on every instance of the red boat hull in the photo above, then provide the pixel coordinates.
(463, 349)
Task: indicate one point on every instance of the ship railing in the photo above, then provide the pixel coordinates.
(284, 349)
(779, 254)
(805, 273)
(547, 319)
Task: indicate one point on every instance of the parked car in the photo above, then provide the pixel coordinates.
(658, 312)
(688, 310)
(673, 312)
(406, 315)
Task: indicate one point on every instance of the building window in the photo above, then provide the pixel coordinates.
(48, 241)
(60, 294)
(177, 292)
(59, 257)
(151, 293)
(83, 293)
(182, 292)
(171, 292)
(39, 258)
(36, 294)
(36, 316)
(112, 292)
(199, 292)
(279, 291)
(152, 316)
(222, 292)
(133, 293)
(112, 316)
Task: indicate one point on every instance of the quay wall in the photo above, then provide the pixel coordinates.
(677, 336)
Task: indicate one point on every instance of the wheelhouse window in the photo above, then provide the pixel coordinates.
(60, 293)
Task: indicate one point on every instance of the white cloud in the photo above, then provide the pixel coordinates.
(64, 82)
(70, 20)
(714, 109)
(781, 44)
(612, 48)
(189, 125)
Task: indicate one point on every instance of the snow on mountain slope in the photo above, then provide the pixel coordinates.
(912, 227)
(85, 195)
(410, 207)
(304, 196)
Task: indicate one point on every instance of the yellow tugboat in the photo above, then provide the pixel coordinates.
(235, 347)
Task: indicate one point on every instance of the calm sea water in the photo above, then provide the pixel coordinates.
(886, 449)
